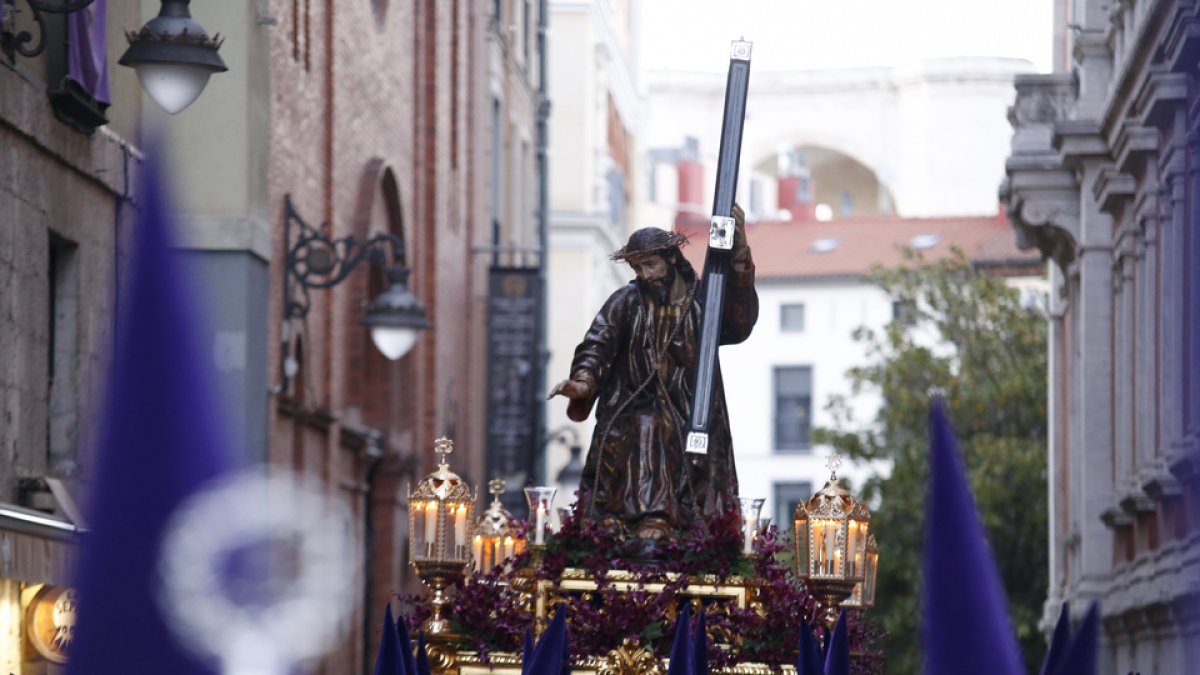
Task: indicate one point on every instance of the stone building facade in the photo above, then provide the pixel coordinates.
(1104, 179)
(59, 261)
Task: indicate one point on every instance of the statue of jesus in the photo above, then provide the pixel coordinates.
(637, 366)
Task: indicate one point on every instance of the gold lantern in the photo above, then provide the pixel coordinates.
(864, 591)
(494, 540)
(439, 513)
(831, 531)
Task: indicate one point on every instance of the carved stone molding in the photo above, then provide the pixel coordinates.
(1049, 225)
(1042, 99)
(1136, 502)
(1112, 187)
(1116, 517)
(1162, 93)
(1040, 194)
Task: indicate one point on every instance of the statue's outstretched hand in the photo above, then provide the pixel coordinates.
(572, 389)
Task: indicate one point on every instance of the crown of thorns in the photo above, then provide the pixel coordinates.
(649, 240)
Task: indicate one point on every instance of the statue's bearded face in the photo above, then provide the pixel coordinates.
(655, 275)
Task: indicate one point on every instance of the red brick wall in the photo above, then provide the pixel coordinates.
(372, 92)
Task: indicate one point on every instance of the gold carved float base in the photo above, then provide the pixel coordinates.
(630, 658)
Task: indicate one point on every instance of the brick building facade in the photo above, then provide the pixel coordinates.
(413, 119)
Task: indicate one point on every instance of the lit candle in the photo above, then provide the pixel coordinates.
(748, 533)
(820, 546)
(477, 552)
(539, 533)
(510, 549)
(855, 529)
(460, 525)
(431, 513)
(837, 560)
(830, 537)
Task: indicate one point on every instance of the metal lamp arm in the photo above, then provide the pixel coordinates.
(316, 260)
(36, 8)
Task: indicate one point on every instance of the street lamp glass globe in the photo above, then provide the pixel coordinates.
(394, 342)
(173, 86)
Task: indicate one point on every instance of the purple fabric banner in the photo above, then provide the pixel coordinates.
(87, 49)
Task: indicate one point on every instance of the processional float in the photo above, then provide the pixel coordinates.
(512, 575)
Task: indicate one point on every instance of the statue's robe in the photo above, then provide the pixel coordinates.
(645, 372)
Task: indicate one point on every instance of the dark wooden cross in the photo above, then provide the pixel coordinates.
(720, 245)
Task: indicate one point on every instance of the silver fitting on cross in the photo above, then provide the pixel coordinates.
(720, 232)
(697, 443)
(740, 50)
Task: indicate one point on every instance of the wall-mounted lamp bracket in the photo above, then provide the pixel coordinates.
(316, 260)
(14, 43)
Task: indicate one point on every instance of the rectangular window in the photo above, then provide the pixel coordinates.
(904, 312)
(793, 408)
(62, 365)
(787, 497)
(756, 197)
(527, 31)
(497, 177)
(791, 318)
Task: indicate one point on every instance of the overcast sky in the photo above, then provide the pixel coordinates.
(803, 34)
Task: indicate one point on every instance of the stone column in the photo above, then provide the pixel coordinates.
(1146, 372)
(1092, 446)
(1171, 278)
(1191, 313)
(1056, 437)
(1123, 291)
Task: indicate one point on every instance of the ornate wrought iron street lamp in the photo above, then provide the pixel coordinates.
(316, 260)
(495, 540)
(831, 532)
(439, 511)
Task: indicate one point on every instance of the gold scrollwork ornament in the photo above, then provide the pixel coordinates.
(630, 659)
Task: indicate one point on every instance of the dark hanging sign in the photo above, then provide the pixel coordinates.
(512, 395)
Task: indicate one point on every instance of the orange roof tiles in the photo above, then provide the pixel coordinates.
(852, 246)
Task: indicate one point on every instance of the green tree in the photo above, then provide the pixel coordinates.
(989, 357)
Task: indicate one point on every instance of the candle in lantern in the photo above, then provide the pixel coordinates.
(460, 525)
(539, 533)
(748, 525)
(854, 529)
(477, 552)
(431, 513)
(819, 548)
(509, 548)
(830, 542)
(837, 561)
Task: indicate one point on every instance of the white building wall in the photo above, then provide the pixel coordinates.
(833, 310)
(589, 61)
